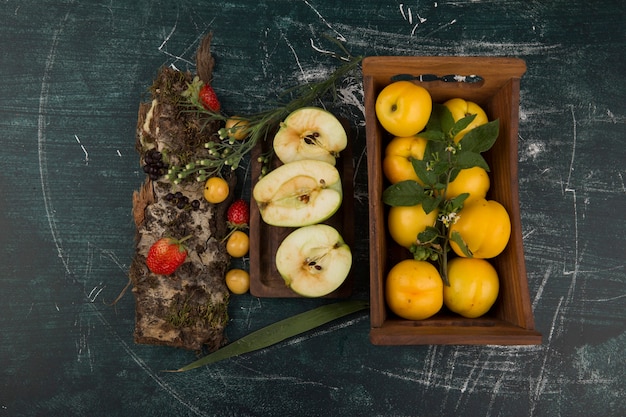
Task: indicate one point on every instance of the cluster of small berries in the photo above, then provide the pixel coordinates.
(154, 165)
(182, 201)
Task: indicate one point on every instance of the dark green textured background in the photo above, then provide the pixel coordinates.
(71, 76)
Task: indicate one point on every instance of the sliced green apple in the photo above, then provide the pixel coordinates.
(314, 260)
(299, 193)
(310, 133)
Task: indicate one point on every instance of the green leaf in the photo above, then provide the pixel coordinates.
(466, 160)
(433, 135)
(447, 121)
(404, 193)
(433, 150)
(429, 235)
(421, 169)
(431, 203)
(434, 121)
(280, 331)
(441, 169)
(481, 138)
(456, 238)
(457, 202)
(461, 124)
(439, 187)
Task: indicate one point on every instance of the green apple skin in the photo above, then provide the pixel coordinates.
(299, 193)
(314, 260)
(310, 133)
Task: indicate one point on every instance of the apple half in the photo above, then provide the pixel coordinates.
(314, 260)
(310, 133)
(299, 193)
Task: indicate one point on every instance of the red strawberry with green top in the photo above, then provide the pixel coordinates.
(208, 98)
(238, 214)
(166, 255)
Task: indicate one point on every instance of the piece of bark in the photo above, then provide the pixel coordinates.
(188, 309)
(142, 199)
(204, 60)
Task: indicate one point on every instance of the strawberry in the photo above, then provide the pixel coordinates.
(208, 98)
(238, 214)
(166, 255)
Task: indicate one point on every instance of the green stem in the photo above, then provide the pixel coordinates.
(448, 175)
(443, 264)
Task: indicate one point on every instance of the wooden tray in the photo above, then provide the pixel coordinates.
(265, 281)
(510, 321)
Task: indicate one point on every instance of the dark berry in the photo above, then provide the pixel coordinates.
(169, 197)
(181, 204)
(195, 204)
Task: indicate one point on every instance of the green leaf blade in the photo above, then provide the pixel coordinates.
(433, 149)
(461, 124)
(481, 138)
(431, 203)
(429, 235)
(433, 135)
(447, 120)
(427, 176)
(467, 160)
(458, 239)
(280, 331)
(404, 193)
(435, 122)
(457, 202)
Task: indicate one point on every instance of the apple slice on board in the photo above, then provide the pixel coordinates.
(299, 193)
(310, 133)
(314, 260)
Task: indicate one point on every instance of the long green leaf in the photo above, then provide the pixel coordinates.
(280, 331)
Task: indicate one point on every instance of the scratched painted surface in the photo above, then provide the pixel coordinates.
(72, 74)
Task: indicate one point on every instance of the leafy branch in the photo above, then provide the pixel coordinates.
(443, 160)
(229, 152)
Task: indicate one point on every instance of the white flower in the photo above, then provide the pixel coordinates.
(449, 219)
